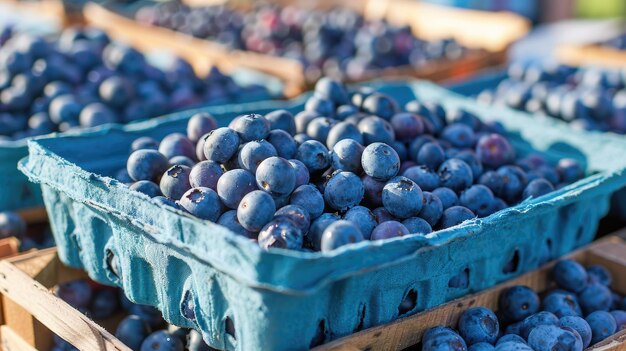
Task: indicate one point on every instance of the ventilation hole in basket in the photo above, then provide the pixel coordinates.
(408, 303)
(229, 326)
(513, 264)
(112, 264)
(320, 334)
(361, 324)
(460, 281)
(187, 307)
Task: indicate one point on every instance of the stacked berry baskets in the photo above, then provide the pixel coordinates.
(81, 79)
(413, 195)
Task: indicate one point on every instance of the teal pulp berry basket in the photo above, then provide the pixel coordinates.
(245, 298)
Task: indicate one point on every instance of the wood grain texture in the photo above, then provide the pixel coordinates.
(591, 55)
(11, 341)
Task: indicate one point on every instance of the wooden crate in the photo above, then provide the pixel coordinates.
(591, 55)
(55, 9)
(30, 313)
(489, 33)
(407, 332)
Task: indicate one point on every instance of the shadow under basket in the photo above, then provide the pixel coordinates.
(202, 276)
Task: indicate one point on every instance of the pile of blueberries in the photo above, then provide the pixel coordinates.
(524, 322)
(338, 43)
(352, 166)
(588, 98)
(619, 42)
(12, 225)
(143, 329)
(82, 79)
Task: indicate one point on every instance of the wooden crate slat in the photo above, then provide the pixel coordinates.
(11, 341)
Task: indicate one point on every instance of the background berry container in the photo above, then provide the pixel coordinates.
(489, 34)
(490, 80)
(246, 298)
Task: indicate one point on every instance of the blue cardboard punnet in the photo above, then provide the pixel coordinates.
(17, 193)
(489, 81)
(244, 298)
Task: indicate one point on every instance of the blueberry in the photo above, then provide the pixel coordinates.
(514, 182)
(234, 185)
(432, 208)
(424, 177)
(146, 187)
(509, 338)
(363, 218)
(205, 174)
(317, 229)
(376, 130)
(389, 229)
(182, 160)
(346, 156)
(148, 313)
(459, 135)
(282, 120)
(517, 303)
(303, 119)
(536, 188)
(481, 346)
(470, 158)
(320, 105)
(116, 91)
(416, 144)
(255, 210)
(298, 215)
(382, 215)
(493, 181)
(283, 143)
(345, 111)
(343, 131)
(203, 203)
(445, 340)
(407, 126)
(319, 128)
(229, 220)
(177, 144)
(77, 293)
(569, 170)
(104, 304)
(599, 274)
(380, 105)
(175, 182)
(380, 161)
(332, 90)
(313, 155)
(431, 155)
(281, 232)
(162, 200)
(570, 275)
(276, 176)
(455, 174)
(253, 153)
(602, 325)
(373, 191)
(478, 199)
(402, 197)
(595, 297)
(580, 325)
(479, 324)
(447, 197)
(96, 114)
(494, 151)
(221, 144)
(308, 197)
(620, 319)
(131, 331)
(455, 215)
(195, 342)
(200, 124)
(302, 173)
(417, 225)
(551, 337)
(41, 123)
(11, 224)
(537, 319)
(343, 191)
(64, 108)
(459, 281)
(162, 341)
(561, 304)
(340, 233)
(548, 173)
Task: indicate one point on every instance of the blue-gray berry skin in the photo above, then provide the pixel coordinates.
(455, 215)
(599, 274)
(282, 120)
(570, 275)
(200, 124)
(340, 233)
(551, 337)
(205, 174)
(455, 174)
(479, 324)
(177, 144)
(234, 185)
(517, 303)
(432, 208)
(363, 218)
(389, 229)
(146, 187)
(417, 225)
(276, 176)
(146, 165)
(535, 320)
(343, 191)
(285, 145)
(478, 199)
(314, 155)
(373, 191)
(580, 326)
(144, 143)
(221, 145)
(253, 153)
(431, 155)
(376, 130)
(447, 196)
(281, 232)
(407, 126)
(561, 304)
(319, 128)
(443, 339)
(251, 127)
(297, 214)
(255, 210)
(602, 325)
(175, 182)
(308, 197)
(343, 131)
(346, 155)
(203, 203)
(537, 187)
(302, 120)
(426, 178)
(302, 173)
(402, 197)
(162, 340)
(481, 346)
(229, 220)
(314, 238)
(380, 161)
(595, 297)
